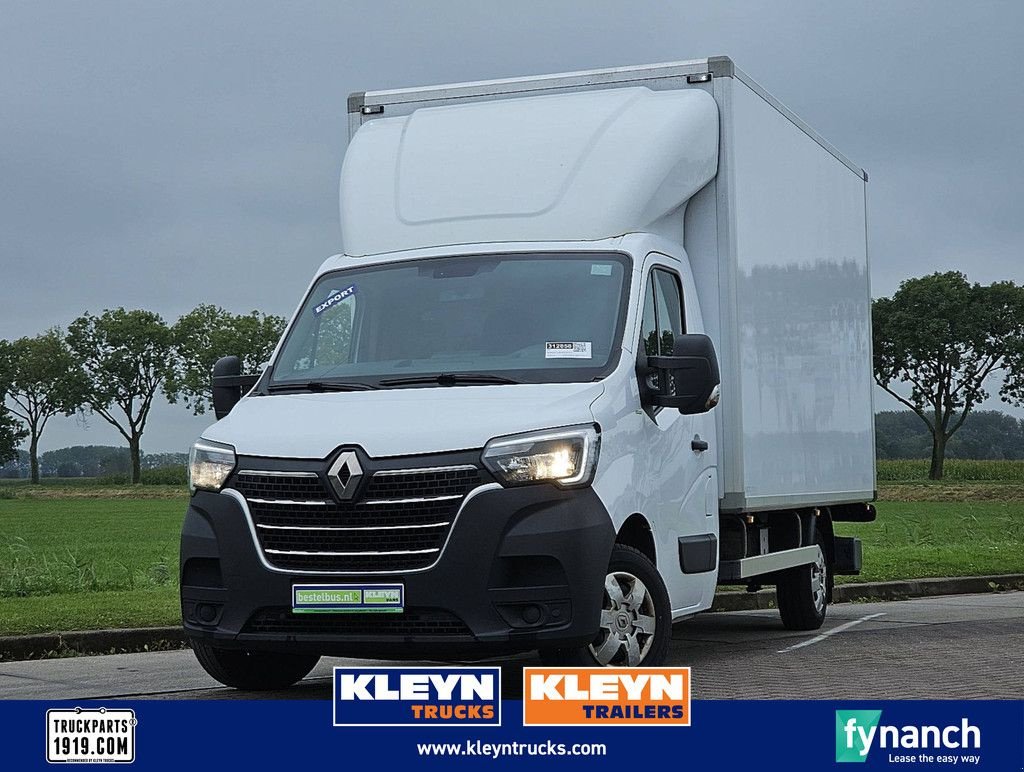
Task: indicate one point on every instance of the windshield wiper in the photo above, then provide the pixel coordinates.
(447, 379)
(319, 386)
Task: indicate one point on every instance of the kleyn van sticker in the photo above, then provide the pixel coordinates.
(335, 297)
(567, 350)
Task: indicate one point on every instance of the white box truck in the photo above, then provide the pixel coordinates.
(597, 344)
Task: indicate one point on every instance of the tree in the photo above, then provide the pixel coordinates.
(127, 356)
(944, 337)
(986, 434)
(46, 380)
(11, 432)
(207, 333)
(11, 436)
(90, 459)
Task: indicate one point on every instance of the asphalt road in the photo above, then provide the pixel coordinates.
(954, 647)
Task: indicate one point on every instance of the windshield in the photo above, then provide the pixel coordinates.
(489, 318)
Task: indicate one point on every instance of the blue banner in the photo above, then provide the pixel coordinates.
(253, 734)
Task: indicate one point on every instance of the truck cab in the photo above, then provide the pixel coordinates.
(597, 344)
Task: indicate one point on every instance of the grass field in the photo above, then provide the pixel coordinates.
(954, 470)
(915, 539)
(83, 562)
(76, 557)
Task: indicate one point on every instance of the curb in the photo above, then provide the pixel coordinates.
(855, 592)
(46, 645)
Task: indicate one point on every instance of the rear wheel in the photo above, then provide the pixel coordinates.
(802, 593)
(636, 619)
(253, 671)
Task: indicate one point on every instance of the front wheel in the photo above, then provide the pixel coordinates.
(636, 618)
(253, 671)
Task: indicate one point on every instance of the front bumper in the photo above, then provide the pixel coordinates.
(523, 568)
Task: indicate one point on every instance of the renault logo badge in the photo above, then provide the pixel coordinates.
(344, 475)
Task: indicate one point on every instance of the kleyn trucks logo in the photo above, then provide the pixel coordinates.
(606, 696)
(859, 731)
(417, 696)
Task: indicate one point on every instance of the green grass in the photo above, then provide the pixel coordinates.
(84, 563)
(954, 470)
(916, 539)
(151, 607)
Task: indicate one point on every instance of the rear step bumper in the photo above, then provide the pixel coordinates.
(847, 561)
(741, 571)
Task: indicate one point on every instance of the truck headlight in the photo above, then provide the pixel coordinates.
(209, 464)
(566, 457)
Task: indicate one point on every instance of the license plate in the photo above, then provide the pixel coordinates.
(348, 598)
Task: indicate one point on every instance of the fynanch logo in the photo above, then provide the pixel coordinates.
(858, 731)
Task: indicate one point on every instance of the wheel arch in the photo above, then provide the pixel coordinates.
(636, 532)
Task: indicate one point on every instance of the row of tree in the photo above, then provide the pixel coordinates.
(986, 435)
(88, 461)
(115, 365)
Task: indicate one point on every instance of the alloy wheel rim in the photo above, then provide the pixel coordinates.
(628, 622)
(819, 582)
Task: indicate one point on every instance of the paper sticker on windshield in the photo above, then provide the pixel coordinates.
(600, 269)
(567, 350)
(334, 298)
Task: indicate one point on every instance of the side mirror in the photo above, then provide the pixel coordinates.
(689, 379)
(227, 384)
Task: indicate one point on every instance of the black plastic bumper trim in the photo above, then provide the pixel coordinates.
(698, 554)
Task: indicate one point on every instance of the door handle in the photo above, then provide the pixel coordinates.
(698, 444)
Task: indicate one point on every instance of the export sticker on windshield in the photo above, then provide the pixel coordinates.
(334, 298)
(567, 349)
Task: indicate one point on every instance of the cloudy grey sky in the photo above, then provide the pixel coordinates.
(165, 154)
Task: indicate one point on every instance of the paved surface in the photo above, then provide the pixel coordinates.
(953, 647)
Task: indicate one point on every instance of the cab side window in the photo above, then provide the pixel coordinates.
(663, 314)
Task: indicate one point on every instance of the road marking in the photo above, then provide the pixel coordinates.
(833, 631)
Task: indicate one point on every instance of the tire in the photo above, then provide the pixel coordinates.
(803, 592)
(253, 671)
(636, 618)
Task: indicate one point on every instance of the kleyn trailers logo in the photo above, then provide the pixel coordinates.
(417, 696)
(858, 731)
(606, 696)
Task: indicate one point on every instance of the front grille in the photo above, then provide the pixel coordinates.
(421, 622)
(293, 487)
(398, 522)
(355, 515)
(454, 481)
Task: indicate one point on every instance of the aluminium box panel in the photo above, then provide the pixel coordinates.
(794, 313)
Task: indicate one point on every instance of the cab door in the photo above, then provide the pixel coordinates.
(679, 481)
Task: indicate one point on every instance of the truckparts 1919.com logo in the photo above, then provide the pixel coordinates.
(606, 696)
(417, 696)
(859, 731)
